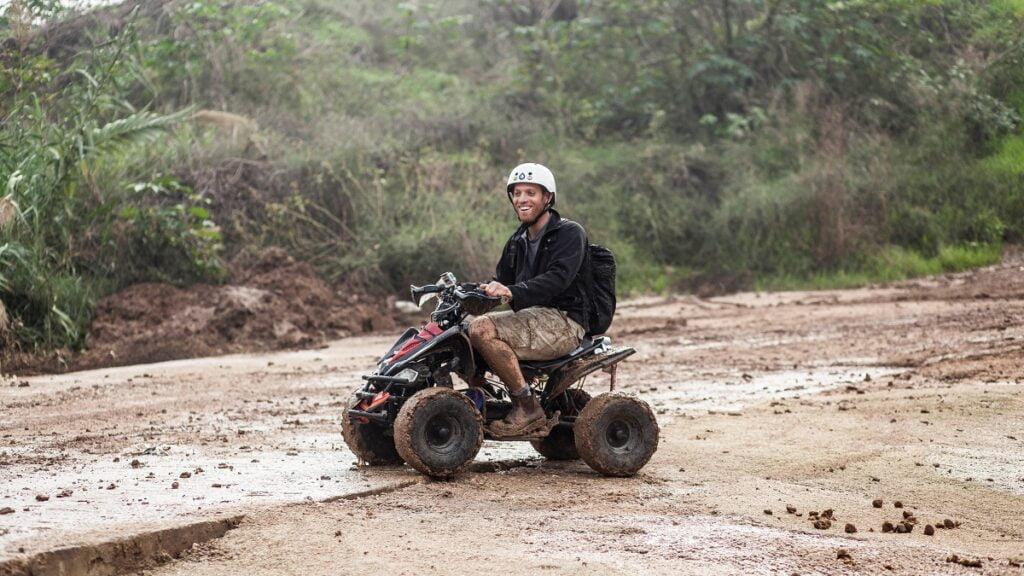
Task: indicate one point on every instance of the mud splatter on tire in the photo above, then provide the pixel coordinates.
(616, 434)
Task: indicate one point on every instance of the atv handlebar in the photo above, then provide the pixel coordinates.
(474, 300)
(468, 294)
(418, 292)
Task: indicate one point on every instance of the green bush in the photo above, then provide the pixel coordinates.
(917, 228)
(170, 235)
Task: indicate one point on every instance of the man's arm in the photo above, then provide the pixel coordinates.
(504, 274)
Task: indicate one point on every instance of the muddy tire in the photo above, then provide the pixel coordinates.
(561, 443)
(439, 431)
(616, 434)
(368, 441)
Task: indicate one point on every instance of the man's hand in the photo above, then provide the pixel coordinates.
(499, 290)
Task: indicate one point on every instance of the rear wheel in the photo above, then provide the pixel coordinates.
(560, 444)
(439, 431)
(368, 441)
(616, 434)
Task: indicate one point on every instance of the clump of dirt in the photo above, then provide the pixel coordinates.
(276, 303)
(969, 562)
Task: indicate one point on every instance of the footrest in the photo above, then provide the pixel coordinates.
(540, 431)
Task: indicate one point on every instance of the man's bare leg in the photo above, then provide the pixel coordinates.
(499, 355)
(526, 410)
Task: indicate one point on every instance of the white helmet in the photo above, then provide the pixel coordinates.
(531, 173)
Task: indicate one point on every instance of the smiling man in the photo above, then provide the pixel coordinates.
(539, 276)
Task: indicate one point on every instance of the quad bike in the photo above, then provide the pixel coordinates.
(409, 411)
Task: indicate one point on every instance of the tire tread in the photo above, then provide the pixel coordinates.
(404, 441)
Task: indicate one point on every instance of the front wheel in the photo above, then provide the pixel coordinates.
(616, 434)
(368, 441)
(439, 431)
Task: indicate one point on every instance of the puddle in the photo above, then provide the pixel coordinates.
(308, 467)
(105, 493)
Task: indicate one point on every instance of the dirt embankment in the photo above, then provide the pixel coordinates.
(277, 303)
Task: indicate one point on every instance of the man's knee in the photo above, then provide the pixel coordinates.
(481, 329)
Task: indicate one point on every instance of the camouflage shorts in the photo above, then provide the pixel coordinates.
(537, 333)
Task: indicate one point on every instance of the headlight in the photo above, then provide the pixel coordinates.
(409, 375)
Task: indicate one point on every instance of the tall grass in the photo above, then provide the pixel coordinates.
(891, 264)
(368, 100)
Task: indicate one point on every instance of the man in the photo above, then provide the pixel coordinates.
(538, 274)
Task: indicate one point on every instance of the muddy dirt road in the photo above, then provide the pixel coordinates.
(797, 428)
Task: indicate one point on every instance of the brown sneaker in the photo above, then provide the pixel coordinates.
(525, 417)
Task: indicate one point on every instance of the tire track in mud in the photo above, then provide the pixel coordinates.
(154, 547)
(120, 555)
(373, 492)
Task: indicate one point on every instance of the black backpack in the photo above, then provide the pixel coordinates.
(599, 281)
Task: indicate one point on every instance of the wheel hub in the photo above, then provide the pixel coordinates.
(442, 433)
(620, 435)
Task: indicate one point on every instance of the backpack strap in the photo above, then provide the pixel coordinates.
(587, 270)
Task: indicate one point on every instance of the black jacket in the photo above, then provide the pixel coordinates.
(555, 280)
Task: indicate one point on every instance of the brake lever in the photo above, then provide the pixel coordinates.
(422, 294)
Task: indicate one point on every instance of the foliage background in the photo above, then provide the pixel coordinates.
(714, 145)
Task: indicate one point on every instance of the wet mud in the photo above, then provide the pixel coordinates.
(772, 406)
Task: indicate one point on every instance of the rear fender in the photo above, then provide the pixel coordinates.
(566, 376)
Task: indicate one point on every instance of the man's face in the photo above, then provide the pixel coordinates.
(529, 201)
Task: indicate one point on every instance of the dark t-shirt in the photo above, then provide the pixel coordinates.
(532, 245)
